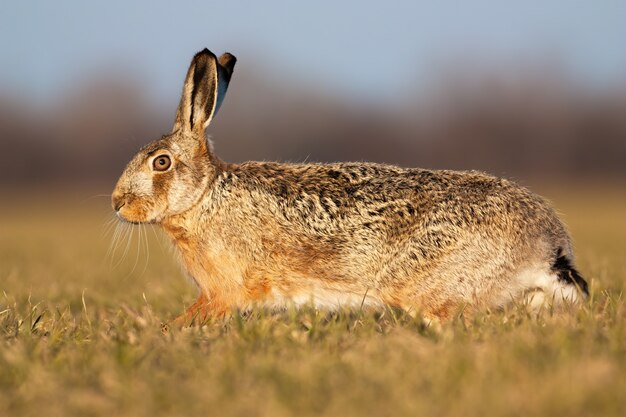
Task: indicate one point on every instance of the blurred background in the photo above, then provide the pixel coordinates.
(534, 91)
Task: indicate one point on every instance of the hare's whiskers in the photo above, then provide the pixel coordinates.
(130, 234)
(157, 237)
(139, 240)
(147, 243)
(107, 227)
(86, 199)
(125, 235)
(107, 233)
(113, 245)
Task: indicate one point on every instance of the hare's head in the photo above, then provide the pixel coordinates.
(169, 176)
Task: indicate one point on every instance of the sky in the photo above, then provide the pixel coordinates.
(376, 48)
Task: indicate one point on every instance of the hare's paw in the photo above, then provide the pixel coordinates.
(199, 312)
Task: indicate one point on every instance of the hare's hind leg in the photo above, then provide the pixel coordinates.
(555, 286)
(539, 288)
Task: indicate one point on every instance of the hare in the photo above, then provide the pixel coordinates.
(340, 234)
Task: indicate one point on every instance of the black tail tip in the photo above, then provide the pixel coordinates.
(567, 273)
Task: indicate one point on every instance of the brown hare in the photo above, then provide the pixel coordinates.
(341, 234)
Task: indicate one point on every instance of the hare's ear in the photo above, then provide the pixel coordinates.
(224, 72)
(205, 86)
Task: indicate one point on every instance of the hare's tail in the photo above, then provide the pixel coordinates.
(567, 274)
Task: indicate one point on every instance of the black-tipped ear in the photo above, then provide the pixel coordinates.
(225, 69)
(203, 92)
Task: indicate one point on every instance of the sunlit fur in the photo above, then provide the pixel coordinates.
(343, 234)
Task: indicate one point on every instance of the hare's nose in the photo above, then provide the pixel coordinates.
(118, 201)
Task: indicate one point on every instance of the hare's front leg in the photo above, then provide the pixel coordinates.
(200, 311)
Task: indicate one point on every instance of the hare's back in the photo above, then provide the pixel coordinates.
(390, 191)
(387, 200)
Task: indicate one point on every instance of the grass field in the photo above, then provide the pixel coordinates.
(80, 335)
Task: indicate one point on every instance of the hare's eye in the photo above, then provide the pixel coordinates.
(161, 163)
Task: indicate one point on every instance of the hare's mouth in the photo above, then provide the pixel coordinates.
(129, 213)
(124, 218)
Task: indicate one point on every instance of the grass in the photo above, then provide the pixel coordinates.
(80, 335)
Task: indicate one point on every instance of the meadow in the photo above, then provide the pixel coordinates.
(80, 334)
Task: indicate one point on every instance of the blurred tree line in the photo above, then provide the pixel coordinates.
(537, 125)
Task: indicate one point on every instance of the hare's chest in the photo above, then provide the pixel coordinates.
(213, 267)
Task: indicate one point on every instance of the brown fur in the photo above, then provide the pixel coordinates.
(268, 233)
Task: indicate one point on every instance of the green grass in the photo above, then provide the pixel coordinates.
(80, 335)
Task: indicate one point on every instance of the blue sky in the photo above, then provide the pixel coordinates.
(375, 48)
